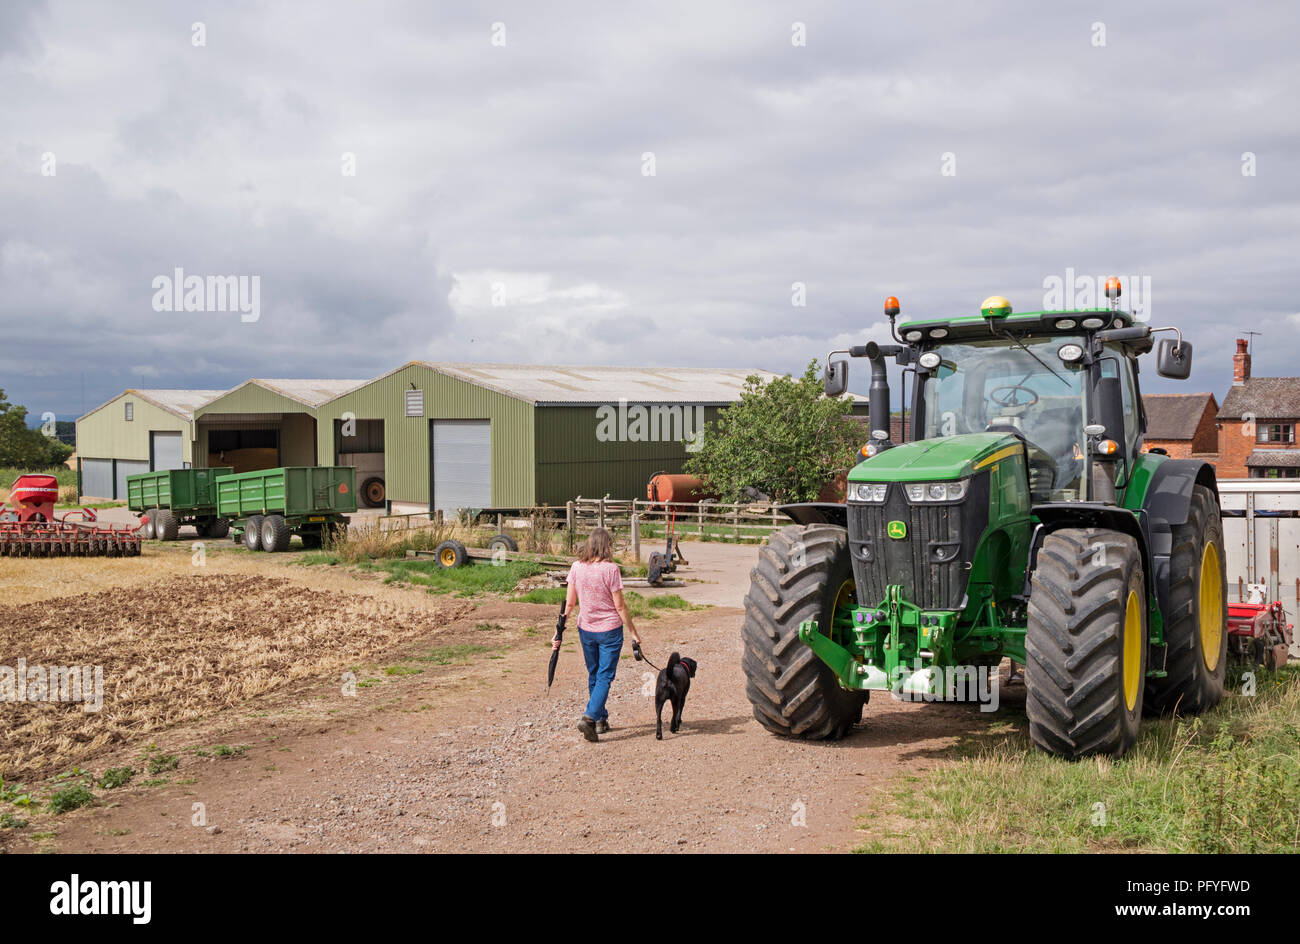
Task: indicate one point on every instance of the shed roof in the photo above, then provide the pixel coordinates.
(1175, 416)
(182, 403)
(544, 385)
(1266, 398)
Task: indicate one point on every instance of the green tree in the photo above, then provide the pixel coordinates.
(25, 448)
(784, 438)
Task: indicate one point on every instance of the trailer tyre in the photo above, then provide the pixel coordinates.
(1086, 643)
(802, 574)
(373, 492)
(450, 554)
(148, 529)
(275, 534)
(253, 533)
(503, 541)
(312, 538)
(1196, 624)
(167, 527)
(218, 528)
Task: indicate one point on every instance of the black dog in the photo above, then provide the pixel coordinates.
(674, 682)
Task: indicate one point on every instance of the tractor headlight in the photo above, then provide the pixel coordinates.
(935, 491)
(869, 491)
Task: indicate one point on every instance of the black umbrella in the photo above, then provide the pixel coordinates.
(555, 653)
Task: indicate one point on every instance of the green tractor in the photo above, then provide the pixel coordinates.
(1020, 519)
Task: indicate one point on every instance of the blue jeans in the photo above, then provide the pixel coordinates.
(600, 650)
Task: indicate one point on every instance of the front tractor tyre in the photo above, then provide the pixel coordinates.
(1086, 643)
(1196, 621)
(804, 573)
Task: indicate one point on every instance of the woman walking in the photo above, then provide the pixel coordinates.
(596, 587)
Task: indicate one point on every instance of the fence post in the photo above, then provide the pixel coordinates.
(568, 516)
(735, 521)
(636, 537)
(601, 513)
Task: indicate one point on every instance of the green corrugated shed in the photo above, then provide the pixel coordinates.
(406, 438)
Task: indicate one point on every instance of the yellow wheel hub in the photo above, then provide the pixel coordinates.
(448, 558)
(1132, 649)
(1211, 606)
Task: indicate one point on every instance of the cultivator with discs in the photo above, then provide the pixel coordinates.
(29, 527)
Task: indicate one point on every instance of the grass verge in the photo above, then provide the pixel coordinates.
(1222, 782)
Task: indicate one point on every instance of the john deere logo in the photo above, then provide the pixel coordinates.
(897, 530)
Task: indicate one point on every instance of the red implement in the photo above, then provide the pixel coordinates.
(30, 528)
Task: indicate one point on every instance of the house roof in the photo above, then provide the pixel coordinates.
(1266, 398)
(1274, 459)
(1175, 416)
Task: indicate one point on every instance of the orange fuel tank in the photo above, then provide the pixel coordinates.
(666, 487)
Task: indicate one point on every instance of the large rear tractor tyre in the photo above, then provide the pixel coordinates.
(1086, 643)
(275, 534)
(804, 573)
(253, 533)
(1196, 624)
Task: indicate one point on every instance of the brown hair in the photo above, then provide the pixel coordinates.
(598, 547)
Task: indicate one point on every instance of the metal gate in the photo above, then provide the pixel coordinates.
(461, 464)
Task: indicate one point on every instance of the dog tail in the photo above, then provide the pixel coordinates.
(674, 660)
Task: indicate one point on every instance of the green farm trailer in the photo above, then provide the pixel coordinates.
(170, 498)
(267, 507)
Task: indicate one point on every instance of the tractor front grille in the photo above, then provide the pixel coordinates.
(932, 562)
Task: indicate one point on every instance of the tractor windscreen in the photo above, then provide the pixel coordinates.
(1001, 386)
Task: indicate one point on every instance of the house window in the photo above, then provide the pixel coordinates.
(1281, 474)
(415, 403)
(1275, 433)
(130, 411)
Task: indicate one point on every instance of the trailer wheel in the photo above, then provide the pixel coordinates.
(373, 492)
(253, 533)
(312, 538)
(148, 529)
(218, 528)
(1086, 643)
(804, 573)
(504, 541)
(167, 527)
(1196, 625)
(275, 534)
(450, 554)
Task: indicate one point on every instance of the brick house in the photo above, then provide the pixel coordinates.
(1182, 424)
(1257, 424)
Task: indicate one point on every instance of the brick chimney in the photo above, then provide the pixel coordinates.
(1241, 363)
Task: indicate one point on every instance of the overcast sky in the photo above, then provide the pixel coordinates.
(501, 156)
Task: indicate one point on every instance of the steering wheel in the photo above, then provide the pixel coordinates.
(1011, 397)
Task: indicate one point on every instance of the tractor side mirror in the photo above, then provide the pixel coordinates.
(1174, 359)
(836, 380)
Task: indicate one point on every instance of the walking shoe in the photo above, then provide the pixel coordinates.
(602, 727)
(588, 729)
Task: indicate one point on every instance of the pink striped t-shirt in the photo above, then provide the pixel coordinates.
(596, 583)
